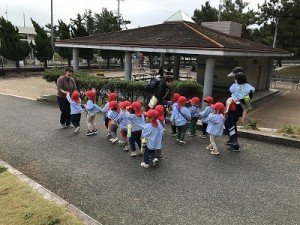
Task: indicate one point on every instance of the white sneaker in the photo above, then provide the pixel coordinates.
(155, 161)
(77, 130)
(182, 142)
(133, 154)
(108, 135)
(111, 139)
(209, 148)
(114, 140)
(63, 126)
(144, 165)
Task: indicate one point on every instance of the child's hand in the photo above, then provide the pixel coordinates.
(84, 105)
(67, 92)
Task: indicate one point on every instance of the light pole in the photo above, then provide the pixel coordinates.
(277, 12)
(52, 39)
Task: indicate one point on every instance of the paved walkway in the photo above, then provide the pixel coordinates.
(259, 185)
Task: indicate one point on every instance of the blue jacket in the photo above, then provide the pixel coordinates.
(215, 124)
(180, 118)
(112, 114)
(104, 110)
(237, 90)
(195, 111)
(121, 120)
(92, 108)
(138, 122)
(204, 114)
(154, 135)
(75, 107)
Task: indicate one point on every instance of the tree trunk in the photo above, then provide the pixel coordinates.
(176, 67)
(45, 64)
(108, 63)
(69, 62)
(122, 62)
(18, 66)
(89, 64)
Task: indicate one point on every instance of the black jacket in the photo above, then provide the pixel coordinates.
(161, 93)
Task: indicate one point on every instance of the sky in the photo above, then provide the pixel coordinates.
(139, 12)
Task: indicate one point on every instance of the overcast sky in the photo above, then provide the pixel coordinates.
(139, 12)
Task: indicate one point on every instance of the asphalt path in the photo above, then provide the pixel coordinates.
(259, 185)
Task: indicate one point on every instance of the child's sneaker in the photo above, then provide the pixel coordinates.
(114, 140)
(95, 131)
(144, 165)
(108, 135)
(77, 130)
(126, 149)
(215, 152)
(173, 134)
(182, 142)
(133, 154)
(203, 136)
(209, 148)
(177, 140)
(63, 126)
(155, 161)
(89, 133)
(191, 135)
(69, 126)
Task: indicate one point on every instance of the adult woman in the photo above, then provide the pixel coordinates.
(65, 83)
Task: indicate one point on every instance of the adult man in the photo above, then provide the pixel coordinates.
(162, 91)
(65, 83)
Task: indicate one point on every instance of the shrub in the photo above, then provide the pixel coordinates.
(251, 124)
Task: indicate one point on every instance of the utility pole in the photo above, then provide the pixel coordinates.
(119, 20)
(6, 12)
(52, 39)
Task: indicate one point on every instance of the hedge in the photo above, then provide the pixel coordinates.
(130, 90)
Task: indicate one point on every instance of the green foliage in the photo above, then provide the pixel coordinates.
(42, 48)
(11, 46)
(288, 129)
(131, 90)
(206, 14)
(2, 169)
(64, 33)
(251, 124)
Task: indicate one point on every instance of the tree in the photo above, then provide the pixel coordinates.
(79, 30)
(206, 14)
(42, 48)
(89, 21)
(64, 33)
(11, 46)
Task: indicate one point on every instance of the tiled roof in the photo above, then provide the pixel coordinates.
(174, 36)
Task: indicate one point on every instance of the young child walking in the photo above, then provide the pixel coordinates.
(173, 103)
(76, 109)
(92, 108)
(121, 121)
(161, 119)
(152, 135)
(241, 93)
(180, 117)
(111, 97)
(208, 100)
(112, 114)
(136, 123)
(215, 126)
(195, 113)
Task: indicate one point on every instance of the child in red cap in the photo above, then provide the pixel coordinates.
(111, 97)
(215, 126)
(112, 114)
(161, 119)
(173, 104)
(76, 109)
(180, 117)
(92, 108)
(208, 100)
(151, 137)
(136, 123)
(195, 113)
(121, 120)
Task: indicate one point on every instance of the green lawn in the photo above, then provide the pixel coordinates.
(289, 71)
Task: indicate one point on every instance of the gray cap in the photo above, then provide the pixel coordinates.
(235, 71)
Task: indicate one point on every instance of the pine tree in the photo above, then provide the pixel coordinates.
(42, 49)
(64, 33)
(11, 46)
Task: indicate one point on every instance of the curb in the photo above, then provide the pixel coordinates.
(47, 194)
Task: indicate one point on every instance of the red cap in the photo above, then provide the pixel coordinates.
(75, 96)
(112, 97)
(218, 106)
(195, 100)
(208, 99)
(181, 101)
(153, 114)
(175, 97)
(112, 104)
(91, 95)
(124, 104)
(137, 108)
(161, 112)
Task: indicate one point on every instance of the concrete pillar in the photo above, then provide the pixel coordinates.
(162, 60)
(176, 67)
(198, 78)
(75, 59)
(208, 78)
(269, 73)
(128, 65)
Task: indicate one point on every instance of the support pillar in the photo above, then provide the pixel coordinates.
(128, 65)
(176, 67)
(208, 78)
(162, 60)
(269, 73)
(75, 58)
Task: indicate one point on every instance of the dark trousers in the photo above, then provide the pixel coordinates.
(64, 106)
(230, 124)
(174, 131)
(75, 119)
(106, 121)
(193, 125)
(147, 153)
(181, 130)
(135, 138)
(204, 127)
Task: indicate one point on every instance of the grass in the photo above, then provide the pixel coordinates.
(290, 71)
(289, 130)
(19, 204)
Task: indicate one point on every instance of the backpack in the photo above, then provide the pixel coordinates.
(153, 84)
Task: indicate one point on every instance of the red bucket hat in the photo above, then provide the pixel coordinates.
(195, 100)
(112, 104)
(181, 101)
(153, 114)
(137, 108)
(75, 96)
(218, 106)
(91, 95)
(175, 97)
(124, 104)
(112, 97)
(208, 99)
(161, 112)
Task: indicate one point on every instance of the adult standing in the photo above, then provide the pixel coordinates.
(65, 83)
(163, 89)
